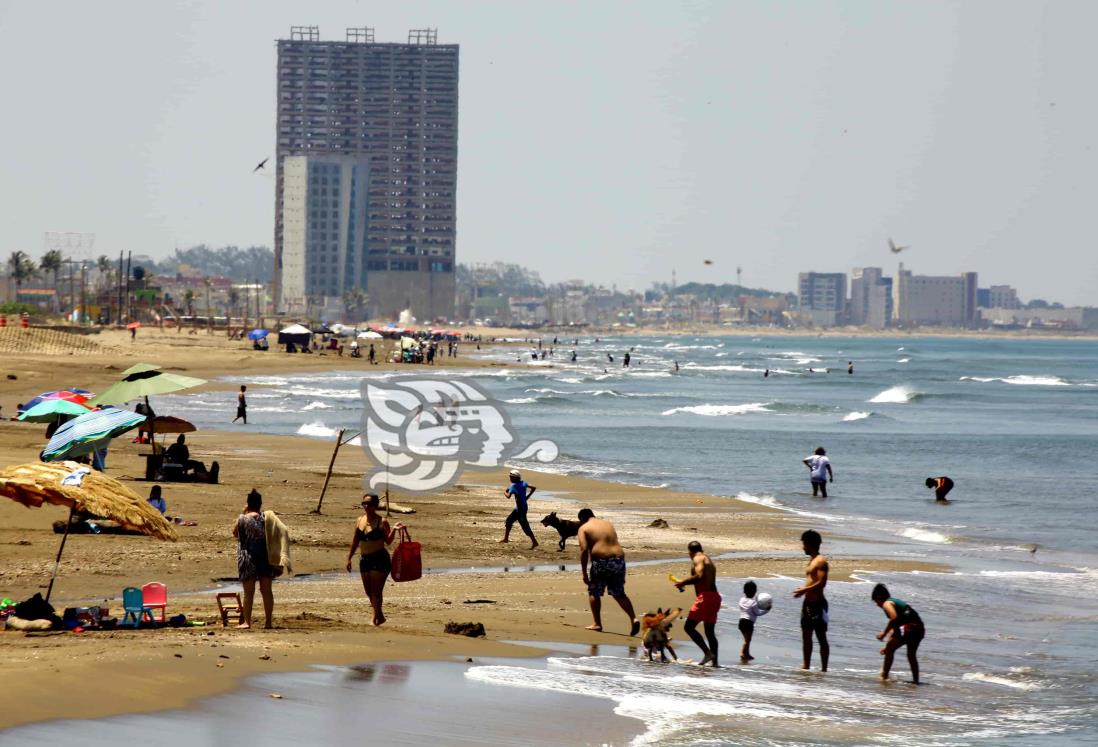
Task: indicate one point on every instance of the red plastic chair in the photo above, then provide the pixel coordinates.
(156, 598)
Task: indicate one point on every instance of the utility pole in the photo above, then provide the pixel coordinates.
(129, 267)
(83, 279)
(209, 318)
(118, 318)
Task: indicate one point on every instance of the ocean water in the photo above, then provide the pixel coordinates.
(1010, 654)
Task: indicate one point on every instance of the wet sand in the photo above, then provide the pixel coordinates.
(323, 618)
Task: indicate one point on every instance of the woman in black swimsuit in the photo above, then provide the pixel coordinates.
(372, 534)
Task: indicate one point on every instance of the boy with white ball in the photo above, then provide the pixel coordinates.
(751, 608)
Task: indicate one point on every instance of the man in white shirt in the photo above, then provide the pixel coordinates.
(819, 471)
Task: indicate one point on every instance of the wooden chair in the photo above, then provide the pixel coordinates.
(228, 602)
(156, 599)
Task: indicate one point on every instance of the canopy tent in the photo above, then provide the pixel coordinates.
(296, 334)
(73, 485)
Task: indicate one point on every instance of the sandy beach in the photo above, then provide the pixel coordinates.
(323, 616)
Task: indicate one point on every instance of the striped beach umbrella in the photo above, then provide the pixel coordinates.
(89, 433)
(71, 395)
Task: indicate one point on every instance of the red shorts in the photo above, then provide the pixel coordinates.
(706, 607)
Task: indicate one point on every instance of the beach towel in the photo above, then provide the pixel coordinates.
(278, 544)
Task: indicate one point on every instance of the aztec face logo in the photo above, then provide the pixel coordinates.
(422, 432)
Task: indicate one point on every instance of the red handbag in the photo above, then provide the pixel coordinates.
(407, 560)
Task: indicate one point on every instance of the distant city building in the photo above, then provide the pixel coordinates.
(395, 107)
(1003, 297)
(1072, 318)
(870, 298)
(823, 295)
(934, 300)
(323, 229)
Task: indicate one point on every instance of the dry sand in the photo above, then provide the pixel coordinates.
(323, 617)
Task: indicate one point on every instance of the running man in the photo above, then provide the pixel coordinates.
(819, 470)
(706, 606)
(521, 492)
(598, 543)
(814, 612)
(941, 487)
(907, 630)
(241, 406)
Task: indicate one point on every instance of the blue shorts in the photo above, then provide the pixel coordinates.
(607, 575)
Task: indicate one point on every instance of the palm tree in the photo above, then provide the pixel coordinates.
(21, 268)
(104, 265)
(354, 301)
(51, 262)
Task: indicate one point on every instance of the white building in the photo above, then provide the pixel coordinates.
(323, 230)
(1003, 297)
(870, 298)
(934, 299)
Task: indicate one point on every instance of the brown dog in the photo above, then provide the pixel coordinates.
(657, 629)
(565, 527)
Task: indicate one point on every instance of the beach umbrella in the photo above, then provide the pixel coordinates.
(168, 424)
(141, 380)
(89, 432)
(258, 334)
(133, 325)
(73, 485)
(50, 410)
(407, 343)
(72, 395)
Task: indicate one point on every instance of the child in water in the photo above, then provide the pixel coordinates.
(749, 612)
(907, 630)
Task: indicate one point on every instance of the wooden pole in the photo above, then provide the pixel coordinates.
(331, 464)
(57, 562)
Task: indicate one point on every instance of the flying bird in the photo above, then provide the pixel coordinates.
(261, 164)
(708, 261)
(896, 249)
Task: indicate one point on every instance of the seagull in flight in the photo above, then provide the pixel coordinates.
(261, 164)
(708, 261)
(896, 249)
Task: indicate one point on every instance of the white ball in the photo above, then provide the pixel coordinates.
(764, 600)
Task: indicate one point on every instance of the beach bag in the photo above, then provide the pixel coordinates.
(407, 561)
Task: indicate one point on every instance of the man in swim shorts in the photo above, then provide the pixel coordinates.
(814, 611)
(707, 605)
(941, 487)
(598, 543)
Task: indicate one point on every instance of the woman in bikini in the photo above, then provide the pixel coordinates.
(372, 534)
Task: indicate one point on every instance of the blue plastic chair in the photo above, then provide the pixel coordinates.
(133, 601)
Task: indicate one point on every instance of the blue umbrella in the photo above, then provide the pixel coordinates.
(258, 334)
(89, 433)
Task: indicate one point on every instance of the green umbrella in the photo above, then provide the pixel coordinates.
(142, 380)
(52, 409)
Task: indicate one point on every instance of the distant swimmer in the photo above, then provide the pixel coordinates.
(676, 365)
(610, 357)
(819, 472)
(766, 374)
(941, 487)
(625, 361)
(850, 367)
(573, 356)
(907, 630)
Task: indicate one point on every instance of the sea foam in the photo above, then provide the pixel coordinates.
(897, 395)
(718, 410)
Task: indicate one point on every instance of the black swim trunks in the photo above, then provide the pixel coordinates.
(910, 634)
(607, 575)
(376, 561)
(747, 626)
(814, 616)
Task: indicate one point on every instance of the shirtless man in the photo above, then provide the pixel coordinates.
(814, 610)
(598, 542)
(703, 577)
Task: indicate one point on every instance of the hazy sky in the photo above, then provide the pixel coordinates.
(602, 140)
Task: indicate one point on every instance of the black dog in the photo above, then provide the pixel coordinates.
(565, 527)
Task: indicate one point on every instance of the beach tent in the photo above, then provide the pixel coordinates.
(73, 485)
(369, 335)
(296, 334)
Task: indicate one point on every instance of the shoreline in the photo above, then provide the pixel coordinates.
(324, 620)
